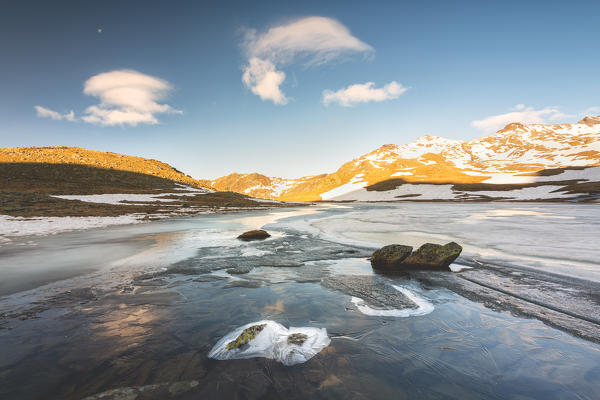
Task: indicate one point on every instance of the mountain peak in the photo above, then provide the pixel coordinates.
(513, 126)
(430, 140)
(510, 157)
(388, 147)
(590, 121)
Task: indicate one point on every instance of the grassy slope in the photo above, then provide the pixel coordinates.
(29, 176)
(101, 160)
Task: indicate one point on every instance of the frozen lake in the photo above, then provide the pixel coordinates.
(137, 308)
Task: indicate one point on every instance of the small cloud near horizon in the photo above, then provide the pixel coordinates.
(44, 112)
(519, 113)
(127, 97)
(363, 93)
(311, 41)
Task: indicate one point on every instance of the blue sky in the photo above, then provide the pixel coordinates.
(436, 67)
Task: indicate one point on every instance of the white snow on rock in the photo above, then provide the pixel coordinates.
(445, 192)
(588, 174)
(403, 192)
(423, 306)
(354, 184)
(193, 189)
(507, 178)
(272, 343)
(529, 193)
(117, 198)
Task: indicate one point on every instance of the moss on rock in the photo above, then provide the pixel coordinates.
(433, 256)
(246, 336)
(389, 257)
(297, 338)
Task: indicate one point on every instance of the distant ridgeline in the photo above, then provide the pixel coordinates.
(559, 162)
(75, 182)
(518, 163)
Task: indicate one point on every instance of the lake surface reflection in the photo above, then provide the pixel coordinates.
(142, 326)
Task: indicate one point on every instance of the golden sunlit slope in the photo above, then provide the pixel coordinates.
(506, 157)
(97, 159)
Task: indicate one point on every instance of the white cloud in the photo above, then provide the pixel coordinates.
(262, 78)
(363, 93)
(318, 39)
(522, 114)
(44, 112)
(127, 97)
(310, 40)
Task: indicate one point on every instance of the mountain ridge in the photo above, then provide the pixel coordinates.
(505, 157)
(97, 159)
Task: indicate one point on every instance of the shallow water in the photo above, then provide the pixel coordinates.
(125, 332)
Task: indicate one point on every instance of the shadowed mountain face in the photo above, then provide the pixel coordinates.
(77, 179)
(97, 159)
(513, 155)
(28, 190)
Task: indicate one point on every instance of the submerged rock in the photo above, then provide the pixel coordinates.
(163, 390)
(375, 296)
(257, 234)
(433, 256)
(240, 270)
(246, 336)
(375, 291)
(245, 283)
(390, 257)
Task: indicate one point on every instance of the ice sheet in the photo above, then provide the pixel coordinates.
(559, 238)
(17, 226)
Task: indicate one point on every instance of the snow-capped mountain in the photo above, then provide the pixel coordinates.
(513, 156)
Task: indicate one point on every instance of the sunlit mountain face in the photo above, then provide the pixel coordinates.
(518, 154)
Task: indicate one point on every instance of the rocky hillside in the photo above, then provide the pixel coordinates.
(512, 156)
(97, 159)
(75, 182)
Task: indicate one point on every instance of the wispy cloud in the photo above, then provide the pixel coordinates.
(363, 93)
(310, 41)
(44, 112)
(126, 97)
(519, 113)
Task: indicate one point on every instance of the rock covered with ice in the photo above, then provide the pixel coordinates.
(270, 339)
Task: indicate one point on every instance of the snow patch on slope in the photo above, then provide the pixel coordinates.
(354, 184)
(117, 199)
